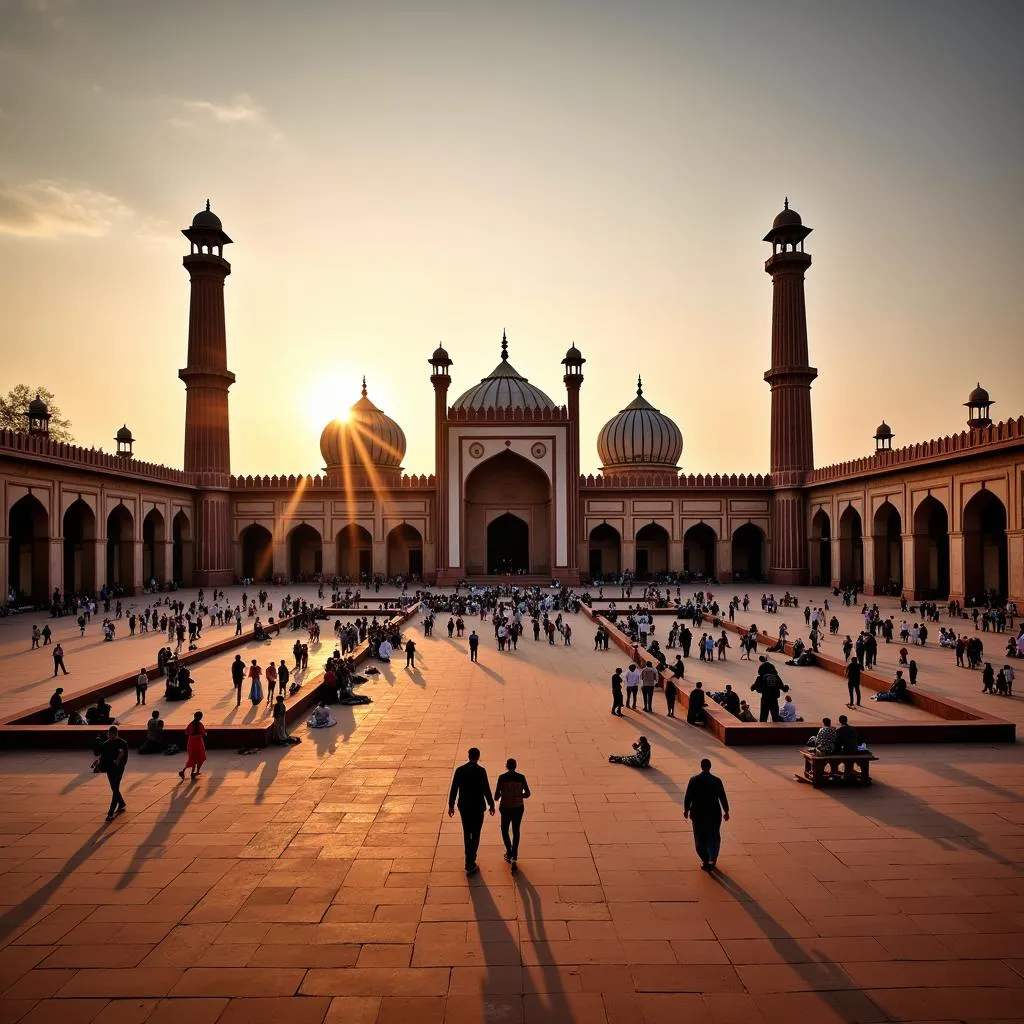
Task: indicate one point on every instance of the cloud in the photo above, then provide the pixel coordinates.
(44, 209)
(240, 111)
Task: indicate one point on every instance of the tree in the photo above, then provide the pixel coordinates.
(14, 410)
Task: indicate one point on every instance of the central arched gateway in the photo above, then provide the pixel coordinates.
(507, 504)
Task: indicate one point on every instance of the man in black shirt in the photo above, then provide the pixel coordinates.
(853, 681)
(473, 790)
(704, 804)
(237, 678)
(510, 792)
(617, 692)
(112, 762)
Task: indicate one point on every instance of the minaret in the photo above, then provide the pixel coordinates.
(441, 379)
(207, 379)
(790, 377)
(573, 380)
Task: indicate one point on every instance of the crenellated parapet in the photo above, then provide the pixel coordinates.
(21, 445)
(1006, 434)
(318, 482)
(652, 480)
(514, 415)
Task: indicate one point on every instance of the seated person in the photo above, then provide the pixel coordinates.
(321, 717)
(180, 687)
(384, 651)
(641, 759)
(154, 741)
(898, 690)
(824, 740)
(846, 737)
(788, 710)
(99, 715)
(57, 712)
(75, 718)
(696, 710)
(259, 633)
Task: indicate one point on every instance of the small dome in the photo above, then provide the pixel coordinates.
(979, 396)
(640, 437)
(574, 357)
(37, 407)
(504, 388)
(787, 218)
(440, 356)
(368, 437)
(207, 219)
(124, 434)
(884, 430)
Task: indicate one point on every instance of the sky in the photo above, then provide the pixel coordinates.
(399, 174)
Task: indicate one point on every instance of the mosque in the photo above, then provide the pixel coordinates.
(938, 519)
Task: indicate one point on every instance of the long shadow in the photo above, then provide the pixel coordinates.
(557, 1006)
(496, 676)
(153, 845)
(808, 966)
(271, 767)
(78, 780)
(959, 776)
(12, 919)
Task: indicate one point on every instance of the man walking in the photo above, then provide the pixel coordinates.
(474, 644)
(705, 804)
(58, 660)
(471, 787)
(853, 681)
(617, 692)
(632, 685)
(112, 762)
(510, 792)
(237, 678)
(648, 680)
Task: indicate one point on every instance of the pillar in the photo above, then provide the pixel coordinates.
(909, 566)
(166, 558)
(628, 555)
(723, 561)
(1015, 564)
(868, 556)
(56, 558)
(957, 579)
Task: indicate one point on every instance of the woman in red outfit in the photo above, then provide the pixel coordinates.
(196, 750)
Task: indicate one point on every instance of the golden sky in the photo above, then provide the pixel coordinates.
(398, 174)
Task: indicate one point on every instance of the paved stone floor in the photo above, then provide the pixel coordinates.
(329, 872)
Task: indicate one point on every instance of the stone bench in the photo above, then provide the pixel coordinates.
(837, 769)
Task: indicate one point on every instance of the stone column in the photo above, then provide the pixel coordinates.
(957, 582)
(837, 568)
(628, 555)
(868, 558)
(5, 579)
(723, 563)
(675, 556)
(137, 567)
(280, 560)
(56, 555)
(1015, 564)
(329, 558)
(380, 557)
(165, 558)
(909, 566)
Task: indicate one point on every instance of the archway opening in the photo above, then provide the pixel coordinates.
(153, 547)
(355, 552)
(28, 565)
(605, 551)
(748, 552)
(851, 548)
(821, 549)
(507, 484)
(931, 550)
(79, 549)
(986, 569)
(700, 542)
(257, 553)
(181, 556)
(305, 553)
(887, 532)
(405, 551)
(508, 545)
(651, 550)
(121, 549)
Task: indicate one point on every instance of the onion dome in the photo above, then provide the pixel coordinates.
(979, 396)
(207, 219)
(504, 388)
(440, 355)
(787, 218)
(884, 430)
(640, 437)
(37, 408)
(368, 438)
(124, 434)
(574, 357)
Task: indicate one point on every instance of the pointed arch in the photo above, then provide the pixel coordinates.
(181, 554)
(931, 549)
(605, 547)
(257, 552)
(28, 564)
(121, 548)
(887, 533)
(405, 551)
(153, 539)
(821, 548)
(79, 548)
(700, 545)
(986, 565)
(652, 543)
(305, 553)
(355, 552)
(748, 552)
(851, 547)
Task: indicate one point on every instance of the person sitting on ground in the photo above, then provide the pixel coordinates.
(259, 633)
(641, 759)
(154, 741)
(321, 717)
(746, 715)
(824, 740)
(99, 715)
(696, 709)
(898, 690)
(788, 710)
(385, 649)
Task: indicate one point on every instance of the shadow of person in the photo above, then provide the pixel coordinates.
(325, 740)
(15, 917)
(496, 676)
(153, 844)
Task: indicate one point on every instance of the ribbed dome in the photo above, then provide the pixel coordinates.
(884, 430)
(440, 357)
(787, 218)
(504, 388)
(207, 219)
(367, 437)
(640, 437)
(979, 396)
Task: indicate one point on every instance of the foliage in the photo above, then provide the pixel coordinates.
(14, 409)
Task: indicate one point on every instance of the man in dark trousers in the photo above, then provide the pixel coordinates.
(853, 681)
(112, 762)
(237, 678)
(704, 804)
(473, 790)
(58, 660)
(770, 687)
(474, 644)
(510, 792)
(617, 692)
(410, 653)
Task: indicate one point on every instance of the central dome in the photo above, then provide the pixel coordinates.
(368, 438)
(504, 388)
(639, 437)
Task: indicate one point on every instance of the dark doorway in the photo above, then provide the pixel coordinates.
(985, 551)
(153, 548)
(508, 545)
(643, 563)
(121, 549)
(699, 544)
(605, 550)
(931, 550)
(28, 551)
(257, 553)
(821, 549)
(181, 531)
(888, 530)
(79, 549)
(748, 553)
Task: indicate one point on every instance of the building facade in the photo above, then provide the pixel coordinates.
(943, 519)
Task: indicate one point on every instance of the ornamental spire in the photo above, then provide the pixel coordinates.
(504, 347)
(639, 386)
(364, 385)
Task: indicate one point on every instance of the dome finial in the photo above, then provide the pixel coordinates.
(364, 385)
(207, 205)
(639, 386)
(785, 203)
(504, 347)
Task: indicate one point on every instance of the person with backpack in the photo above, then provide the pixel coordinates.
(510, 792)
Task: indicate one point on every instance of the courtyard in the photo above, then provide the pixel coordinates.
(324, 882)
